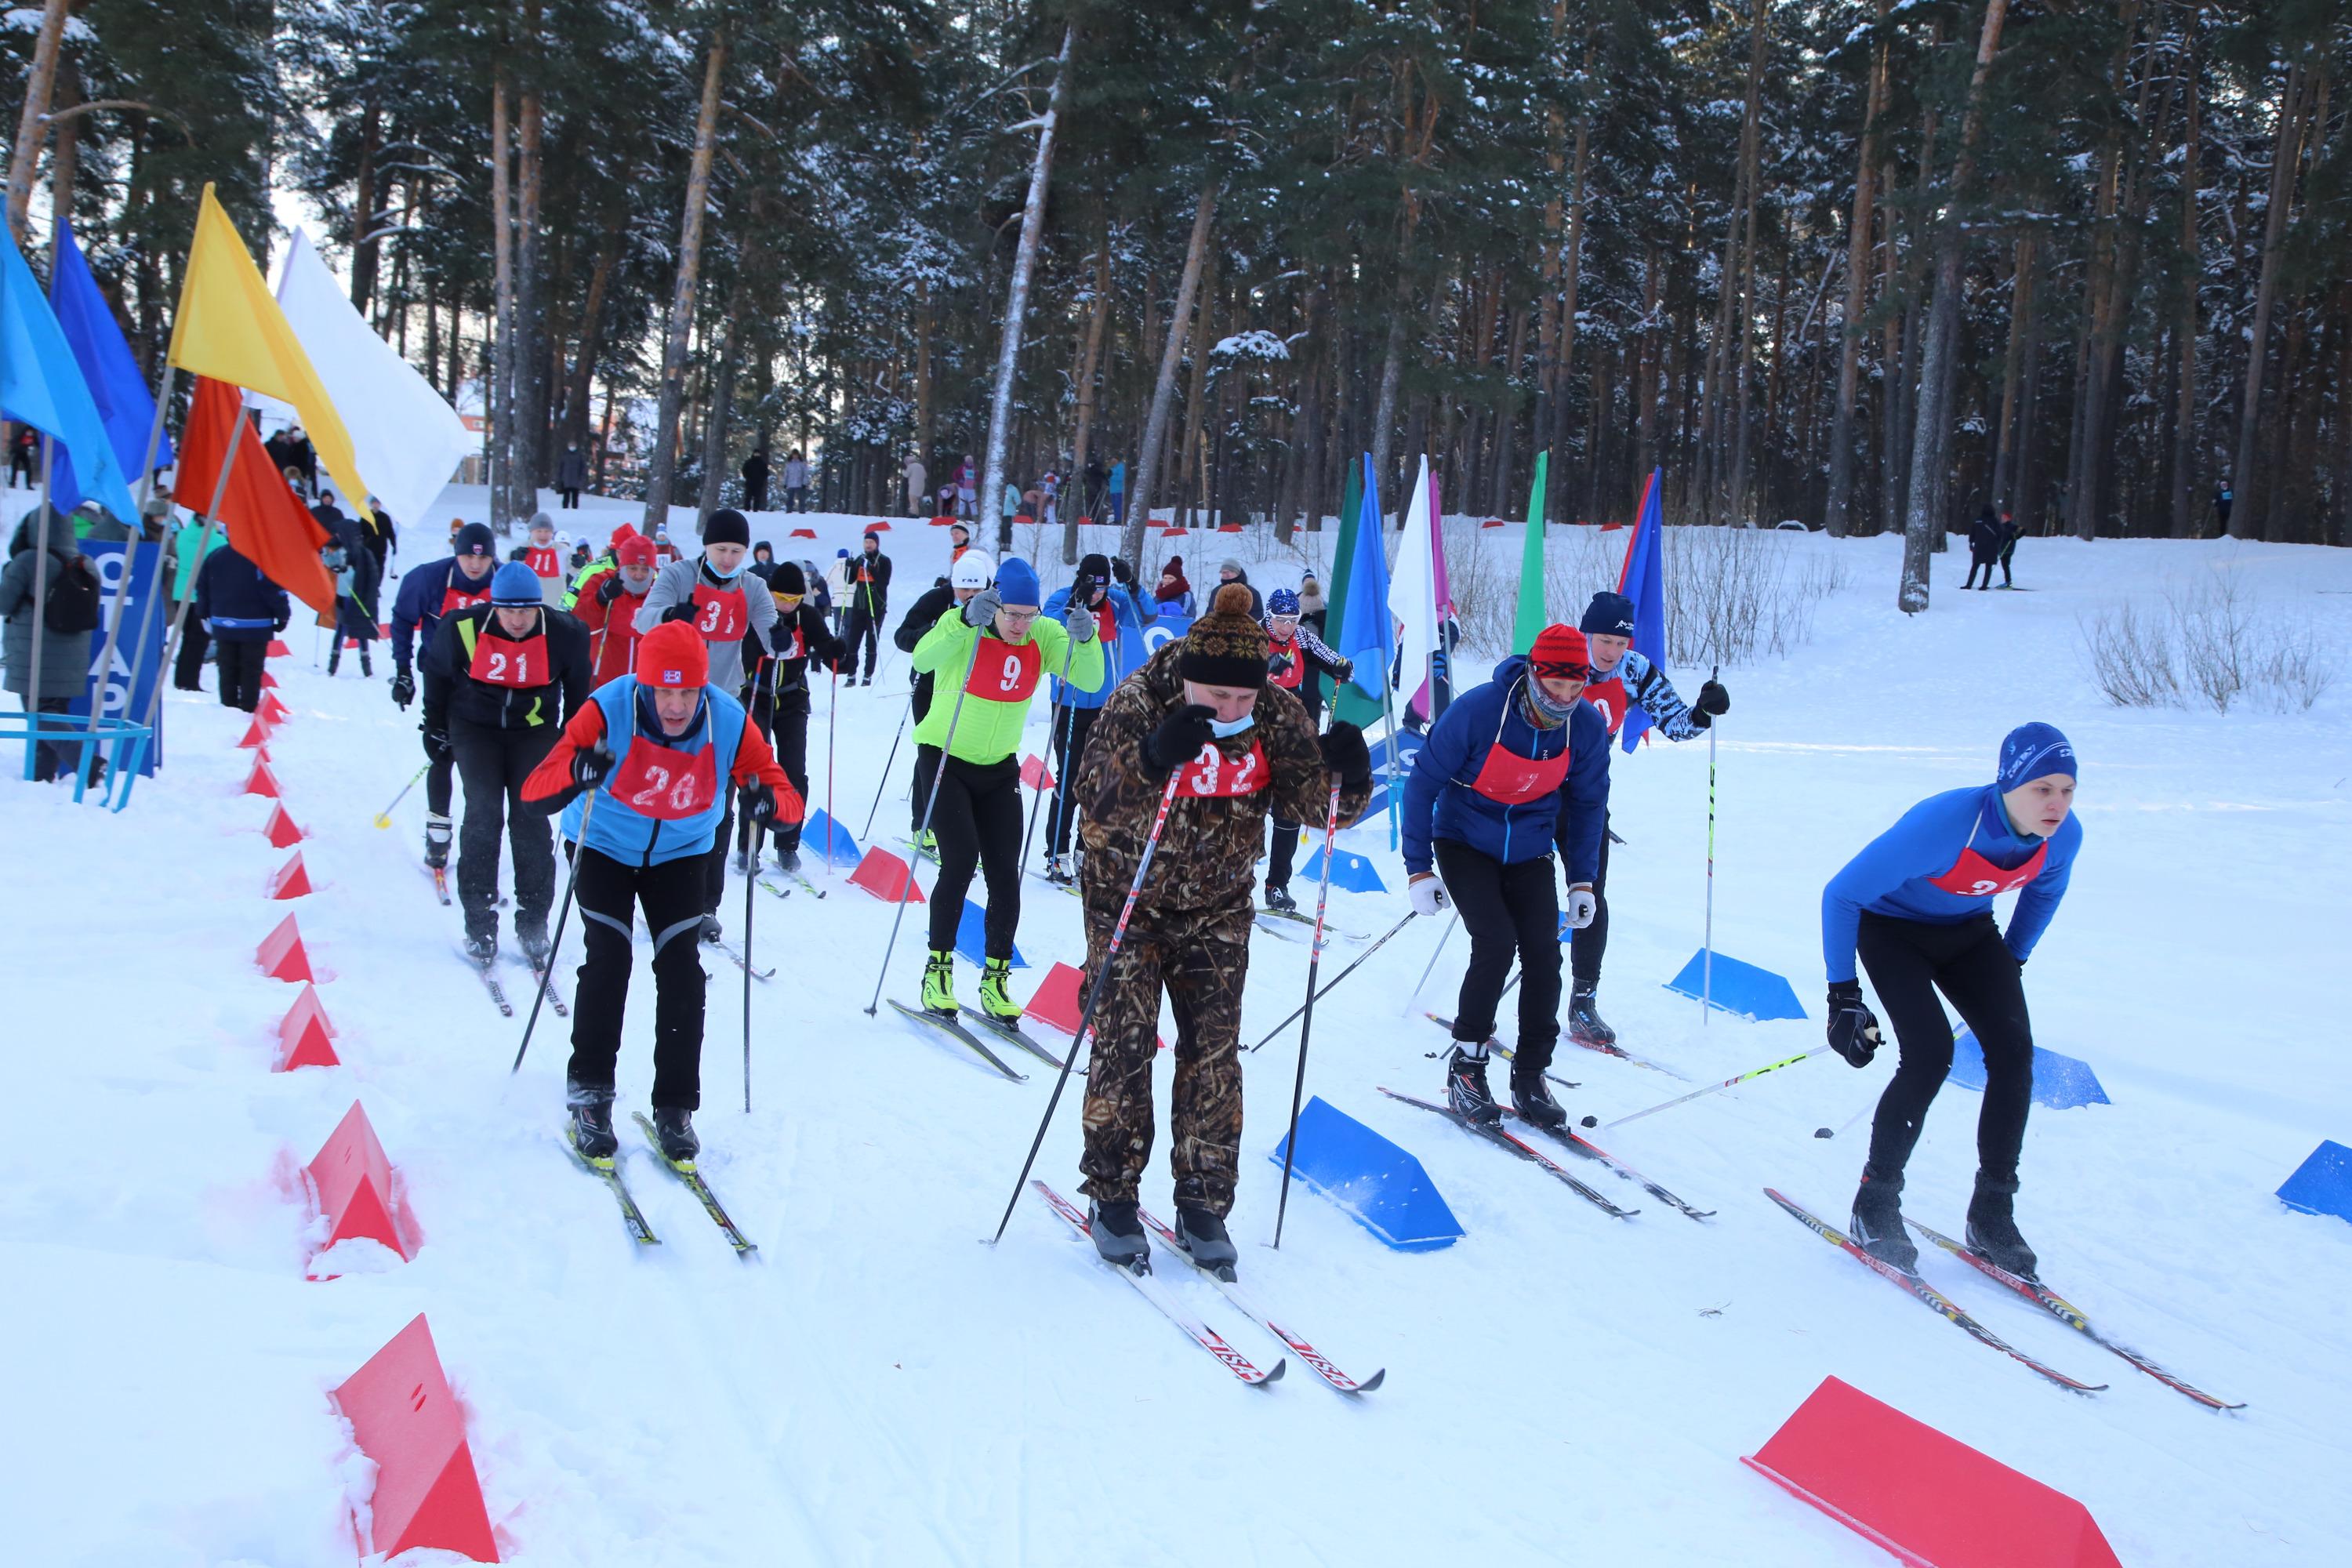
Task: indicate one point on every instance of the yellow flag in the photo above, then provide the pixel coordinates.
(229, 327)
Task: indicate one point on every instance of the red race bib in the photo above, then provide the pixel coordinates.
(720, 615)
(800, 644)
(1513, 780)
(498, 662)
(1213, 775)
(547, 562)
(1608, 696)
(655, 781)
(1004, 673)
(453, 598)
(1295, 676)
(1974, 876)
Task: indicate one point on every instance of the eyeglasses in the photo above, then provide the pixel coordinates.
(1019, 617)
(1561, 669)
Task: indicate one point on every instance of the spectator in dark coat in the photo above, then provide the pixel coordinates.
(65, 656)
(570, 475)
(1985, 540)
(2009, 532)
(242, 610)
(755, 482)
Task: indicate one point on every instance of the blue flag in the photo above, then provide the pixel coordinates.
(1365, 621)
(1643, 581)
(124, 404)
(41, 386)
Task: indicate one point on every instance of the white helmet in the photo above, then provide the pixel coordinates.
(973, 569)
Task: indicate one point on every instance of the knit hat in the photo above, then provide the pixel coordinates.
(1226, 646)
(2032, 751)
(633, 551)
(957, 527)
(1016, 583)
(1561, 654)
(844, 554)
(673, 654)
(474, 539)
(1094, 568)
(539, 520)
(973, 570)
(787, 579)
(870, 534)
(515, 583)
(1233, 564)
(1609, 615)
(1282, 602)
(726, 526)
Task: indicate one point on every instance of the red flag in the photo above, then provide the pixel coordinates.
(266, 524)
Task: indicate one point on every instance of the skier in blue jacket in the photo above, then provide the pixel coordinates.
(458, 581)
(1917, 904)
(1512, 770)
(1074, 709)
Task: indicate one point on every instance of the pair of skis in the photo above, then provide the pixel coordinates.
(2032, 1290)
(954, 1030)
(633, 1218)
(1512, 1143)
(1610, 1049)
(1148, 1286)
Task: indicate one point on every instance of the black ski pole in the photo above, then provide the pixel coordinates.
(1306, 1027)
(750, 886)
(571, 883)
(1079, 591)
(1094, 996)
(1338, 977)
(887, 762)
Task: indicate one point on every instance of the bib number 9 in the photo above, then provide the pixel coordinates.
(1011, 680)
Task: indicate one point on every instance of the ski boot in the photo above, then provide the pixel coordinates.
(1531, 1092)
(334, 657)
(674, 1131)
(1585, 1024)
(1277, 896)
(436, 842)
(1057, 870)
(1465, 1085)
(938, 984)
(927, 842)
(366, 669)
(1118, 1235)
(1877, 1223)
(590, 1129)
(711, 929)
(787, 860)
(995, 999)
(482, 947)
(741, 863)
(1993, 1230)
(1201, 1232)
(530, 935)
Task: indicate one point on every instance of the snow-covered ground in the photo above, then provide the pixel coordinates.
(879, 1387)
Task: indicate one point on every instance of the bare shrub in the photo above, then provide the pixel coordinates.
(2212, 645)
(1734, 594)
(2132, 657)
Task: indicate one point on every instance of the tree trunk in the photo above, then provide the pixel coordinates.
(1192, 458)
(363, 205)
(1097, 320)
(1016, 301)
(592, 332)
(1932, 434)
(500, 397)
(532, 356)
(1163, 387)
(661, 469)
(1857, 293)
(1548, 363)
(32, 126)
(722, 406)
(65, 163)
(1571, 270)
(2243, 519)
(923, 385)
(1751, 138)
(2025, 270)
(2184, 431)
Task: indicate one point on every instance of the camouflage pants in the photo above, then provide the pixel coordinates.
(1200, 962)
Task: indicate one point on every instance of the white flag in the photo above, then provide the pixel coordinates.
(1412, 587)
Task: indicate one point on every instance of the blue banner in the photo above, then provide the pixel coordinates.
(121, 701)
(1135, 647)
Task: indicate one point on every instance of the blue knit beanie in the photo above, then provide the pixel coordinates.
(2034, 751)
(1609, 615)
(515, 583)
(1016, 582)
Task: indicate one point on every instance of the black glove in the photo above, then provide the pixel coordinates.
(1121, 573)
(1179, 739)
(759, 805)
(681, 610)
(608, 587)
(1713, 698)
(436, 743)
(590, 765)
(1854, 1028)
(1278, 664)
(1344, 671)
(403, 688)
(1344, 753)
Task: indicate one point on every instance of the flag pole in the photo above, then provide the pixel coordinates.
(129, 566)
(211, 524)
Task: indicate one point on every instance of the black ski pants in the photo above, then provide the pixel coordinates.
(927, 773)
(1510, 911)
(492, 763)
(238, 668)
(978, 821)
(1984, 564)
(784, 720)
(1070, 734)
(1586, 948)
(1908, 962)
(862, 630)
(437, 774)
(671, 894)
(188, 670)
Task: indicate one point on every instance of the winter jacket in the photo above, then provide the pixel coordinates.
(1175, 588)
(451, 691)
(355, 601)
(1897, 872)
(1439, 801)
(997, 704)
(796, 474)
(672, 598)
(612, 622)
(572, 470)
(1257, 600)
(1636, 682)
(1117, 609)
(236, 601)
(424, 594)
(867, 580)
(1205, 864)
(1309, 658)
(800, 638)
(65, 658)
(755, 470)
(1985, 538)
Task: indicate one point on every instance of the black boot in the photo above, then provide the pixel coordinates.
(438, 830)
(365, 668)
(1277, 896)
(334, 656)
(1118, 1235)
(1466, 1087)
(674, 1130)
(1201, 1232)
(1585, 1024)
(590, 1129)
(1877, 1223)
(1531, 1093)
(1992, 1228)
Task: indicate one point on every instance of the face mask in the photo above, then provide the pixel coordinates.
(1223, 729)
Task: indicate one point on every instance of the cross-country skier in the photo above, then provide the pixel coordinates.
(1199, 708)
(609, 606)
(1299, 661)
(500, 680)
(606, 560)
(776, 693)
(1623, 678)
(1074, 709)
(1510, 771)
(999, 638)
(717, 595)
(457, 582)
(654, 751)
(544, 556)
(974, 571)
(868, 598)
(1917, 905)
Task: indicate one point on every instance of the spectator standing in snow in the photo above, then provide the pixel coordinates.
(65, 656)
(1118, 493)
(2009, 532)
(919, 483)
(797, 479)
(570, 475)
(23, 448)
(755, 482)
(1310, 603)
(967, 483)
(1097, 477)
(1175, 590)
(1984, 548)
(836, 588)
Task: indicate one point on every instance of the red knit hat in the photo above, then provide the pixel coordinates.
(1561, 654)
(633, 552)
(673, 654)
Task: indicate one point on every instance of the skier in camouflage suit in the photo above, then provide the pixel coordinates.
(1245, 749)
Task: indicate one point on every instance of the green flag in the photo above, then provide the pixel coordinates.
(1349, 703)
(1532, 617)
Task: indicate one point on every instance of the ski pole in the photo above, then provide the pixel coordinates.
(1706, 945)
(1726, 1083)
(383, 817)
(1094, 996)
(867, 830)
(1338, 977)
(1307, 1025)
(1847, 1125)
(832, 706)
(1443, 937)
(539, 991)
(1061, 715)
(929, 805)
(751, 882)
